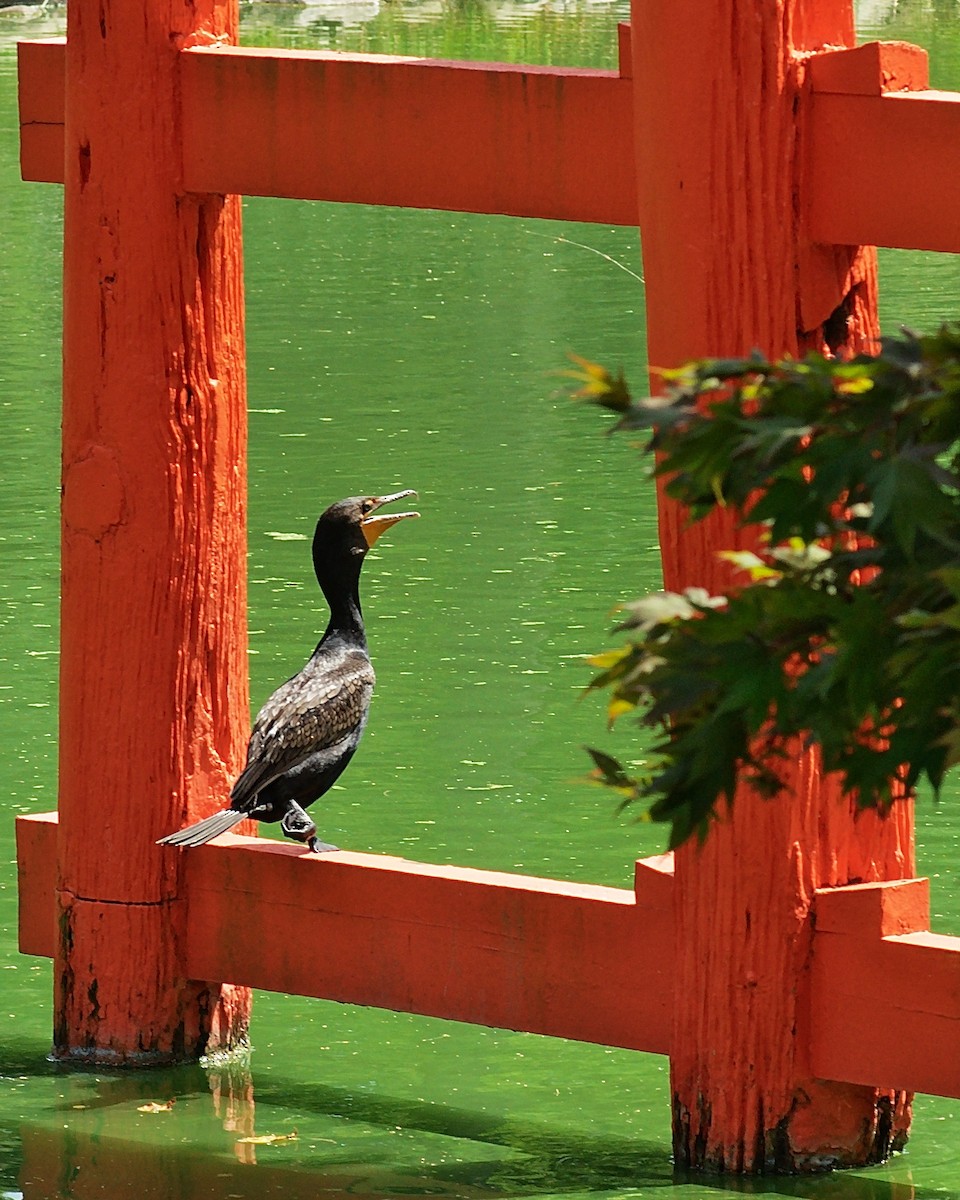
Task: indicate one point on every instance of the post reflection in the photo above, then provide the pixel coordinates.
(197, 1133)
(193, 1133)
(231, 1087)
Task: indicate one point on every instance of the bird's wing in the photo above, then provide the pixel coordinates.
(313, 710)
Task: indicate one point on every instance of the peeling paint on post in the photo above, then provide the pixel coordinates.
(153, 697)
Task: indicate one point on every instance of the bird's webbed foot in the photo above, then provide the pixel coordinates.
(297, 825)
(317, 847)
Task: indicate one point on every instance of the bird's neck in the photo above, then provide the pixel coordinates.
(346, 617)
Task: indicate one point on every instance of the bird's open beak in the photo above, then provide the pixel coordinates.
(373, 526)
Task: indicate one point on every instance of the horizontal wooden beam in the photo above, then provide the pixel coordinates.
(510, 951)
(873, 69)
(885, 170)
(519, 952)
(41, 77)
(885, 991)
(471, 137)
(374, 129)
(37, 883)
(882, 165)
(883, 151)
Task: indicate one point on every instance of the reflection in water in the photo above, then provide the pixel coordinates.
(79, 1164)
(231, 1086)
(160, 1134)
(112, 1148)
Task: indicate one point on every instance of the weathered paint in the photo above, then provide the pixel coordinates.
(738, 208)
(728, 268)
(873, 69)
(153, 692)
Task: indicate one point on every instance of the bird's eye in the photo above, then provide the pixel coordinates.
(366, 506)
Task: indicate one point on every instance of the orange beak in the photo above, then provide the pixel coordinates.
(373, 526)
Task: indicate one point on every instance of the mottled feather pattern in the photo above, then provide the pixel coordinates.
(309, 729)
(315, 709)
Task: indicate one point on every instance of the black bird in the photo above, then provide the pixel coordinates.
(309, 729)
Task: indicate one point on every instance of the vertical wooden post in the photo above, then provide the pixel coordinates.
(154, 705)
(718, 89)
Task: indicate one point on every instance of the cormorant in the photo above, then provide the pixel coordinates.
(308, 730)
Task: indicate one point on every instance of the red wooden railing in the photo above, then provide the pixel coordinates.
(868, 108)
(517, 952)
(756, 158)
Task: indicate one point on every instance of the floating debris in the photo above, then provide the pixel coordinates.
(269, 1139)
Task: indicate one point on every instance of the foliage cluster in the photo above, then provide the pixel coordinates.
(846, 630)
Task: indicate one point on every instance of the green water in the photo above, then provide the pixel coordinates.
(389, 348)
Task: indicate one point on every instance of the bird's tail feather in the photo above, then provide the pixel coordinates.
(205, 830)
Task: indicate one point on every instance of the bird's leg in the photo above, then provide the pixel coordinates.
(297, 825)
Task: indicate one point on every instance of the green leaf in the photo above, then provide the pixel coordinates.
(846, 631)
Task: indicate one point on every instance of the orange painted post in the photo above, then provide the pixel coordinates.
(720, 154)
(153, 698)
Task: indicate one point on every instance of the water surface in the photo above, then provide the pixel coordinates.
(390, 348)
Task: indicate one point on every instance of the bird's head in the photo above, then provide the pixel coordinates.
(351, 526)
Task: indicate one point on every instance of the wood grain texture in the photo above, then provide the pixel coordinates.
(728, 269)
(153, 692)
